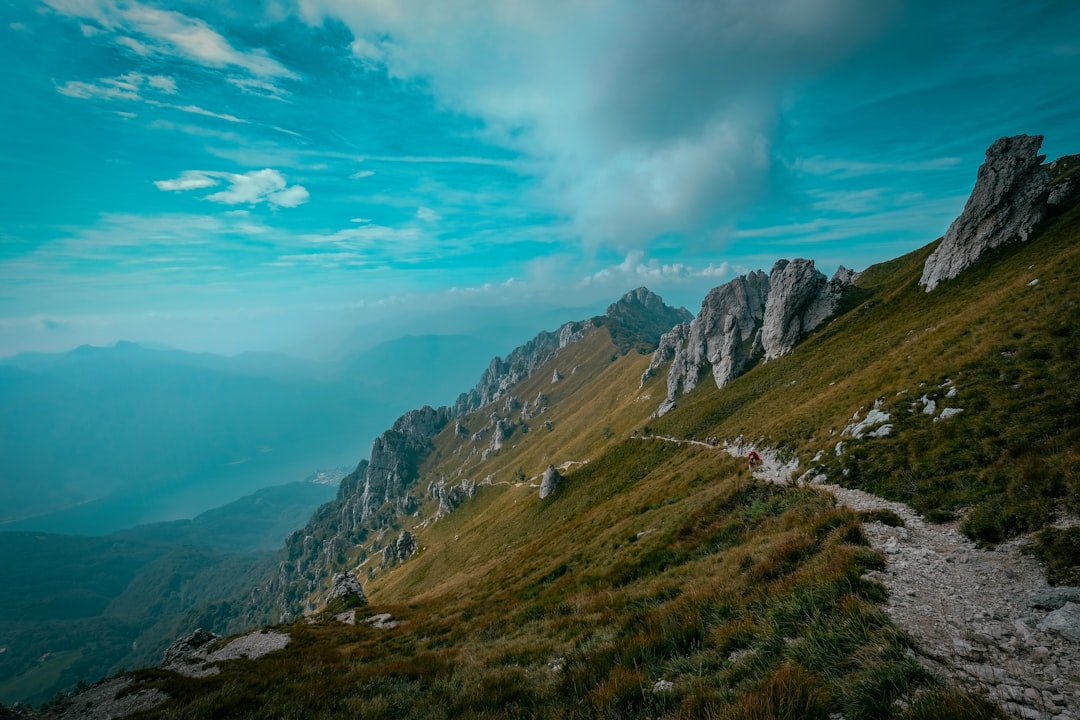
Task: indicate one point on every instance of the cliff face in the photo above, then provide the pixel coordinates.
(396, 456)
(800, 299)
(752, 317)
(1008, 200)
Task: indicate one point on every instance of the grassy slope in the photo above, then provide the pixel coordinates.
(658, 561)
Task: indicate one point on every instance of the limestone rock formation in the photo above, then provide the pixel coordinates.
(345, 585)
(800, 299)
(501, 375)
(670, 343)
(752, 317)
(550, 482)
(451, 496)
(396, 455)
(400, 550)
(186, 646)
(722, 337)
(1008, 200)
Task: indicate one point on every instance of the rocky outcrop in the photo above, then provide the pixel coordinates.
(400, 550)
(723, 337)
(450, 497)
(396, 456)
(501, 375)
(800, 299)
(186, 646)
(669, 345)
(752, 317)
(1008, 200)
(639, 319)
(346, 586)
(550, 482)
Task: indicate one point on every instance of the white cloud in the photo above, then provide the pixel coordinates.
(261, 88)
(251, 188)
(361, 174)
(129, 87)
(426, 214)
(146, 29)
(163, 83)
(643, 117)
(636, 269)
(188, 180)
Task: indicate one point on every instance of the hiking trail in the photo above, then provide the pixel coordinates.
(984, 619)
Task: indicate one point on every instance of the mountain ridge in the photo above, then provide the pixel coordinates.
(664, 579)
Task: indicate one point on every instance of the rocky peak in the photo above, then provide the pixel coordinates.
(640, 318)
(501, 375)
(1008, 200)
(722, 337)
(396, 456)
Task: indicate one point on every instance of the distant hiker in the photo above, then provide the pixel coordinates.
(739, 442)
(753, 458)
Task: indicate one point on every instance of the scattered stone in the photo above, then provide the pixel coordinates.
(662, 686)
(382, 621)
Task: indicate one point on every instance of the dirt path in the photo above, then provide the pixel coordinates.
(982, 618)
(970, 611)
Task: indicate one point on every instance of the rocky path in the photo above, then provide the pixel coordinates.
(985, 619)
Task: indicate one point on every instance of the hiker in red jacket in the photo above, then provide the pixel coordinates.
(753, 458)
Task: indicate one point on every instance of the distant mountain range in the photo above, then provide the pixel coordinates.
(98, 439)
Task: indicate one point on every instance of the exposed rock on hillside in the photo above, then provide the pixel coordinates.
(723, 336)
(400, 550)
(346, 586)
(640, 318)
(1008, 200)
(799, 300)
(396, 455)
(752, 317)
(550, 481)
(501, 375)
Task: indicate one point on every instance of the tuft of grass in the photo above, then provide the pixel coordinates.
(1059, 551)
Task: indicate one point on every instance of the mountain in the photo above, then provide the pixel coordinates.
(660, 576)
(99, 439)
(79, 607)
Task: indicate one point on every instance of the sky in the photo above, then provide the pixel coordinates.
(274, 174)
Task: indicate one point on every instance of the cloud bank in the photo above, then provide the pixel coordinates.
(644, 117)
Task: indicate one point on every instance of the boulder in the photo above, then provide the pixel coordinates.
(345, 585)
(550, 481)
(186, 646)
(1008, 200)
(1065, 622)
(1052, 598)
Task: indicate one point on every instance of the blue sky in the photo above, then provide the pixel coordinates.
(264, 174)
